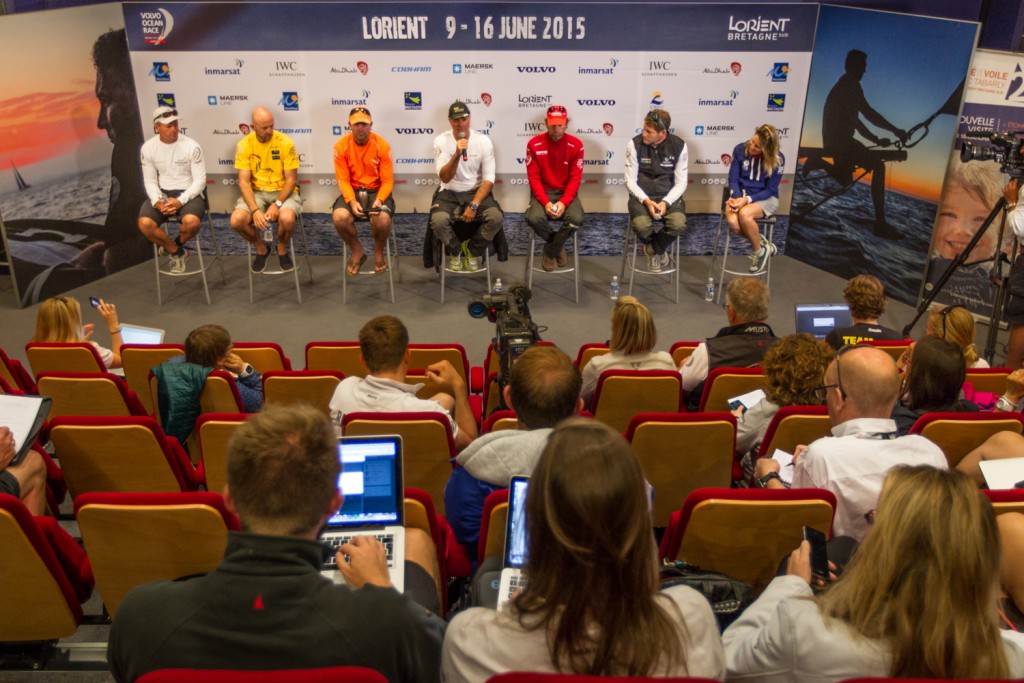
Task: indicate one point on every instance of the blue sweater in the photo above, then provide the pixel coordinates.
(746, 176)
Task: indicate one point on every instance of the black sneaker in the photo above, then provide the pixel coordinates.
(260, 262)
(286, 263)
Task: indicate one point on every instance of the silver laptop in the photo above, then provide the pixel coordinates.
(137, 334)
(513, 578)
(371, 482)
(820, 319)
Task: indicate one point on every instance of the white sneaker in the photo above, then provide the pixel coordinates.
(472, 263)
(653, 263)
(178, 261)
(759, 260)
(664, 260)
(455, 263)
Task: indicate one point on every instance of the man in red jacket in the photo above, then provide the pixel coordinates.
(554, 166)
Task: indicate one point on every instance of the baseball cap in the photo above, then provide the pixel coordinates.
(557, 114)
(458, 110)
(359, 115)
(165, 115)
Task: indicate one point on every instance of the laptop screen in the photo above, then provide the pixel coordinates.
(136, 334)
(515, 533)
(370, 481)
(820, 319)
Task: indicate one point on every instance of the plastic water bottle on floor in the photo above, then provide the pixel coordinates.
(613, 288)
(498, 288)
(709, 290)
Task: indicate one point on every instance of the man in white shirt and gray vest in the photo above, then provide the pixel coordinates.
(174, 174)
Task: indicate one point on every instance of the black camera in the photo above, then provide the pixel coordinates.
(515, 330)
(1004, 148)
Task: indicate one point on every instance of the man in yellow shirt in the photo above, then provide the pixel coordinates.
(365, 170)
(267, 176)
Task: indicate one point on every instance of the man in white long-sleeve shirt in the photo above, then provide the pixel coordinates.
(656, 166)
(174, 174)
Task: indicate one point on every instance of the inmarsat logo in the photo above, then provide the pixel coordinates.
(156, 26)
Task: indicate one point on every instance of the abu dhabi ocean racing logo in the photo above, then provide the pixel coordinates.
(160, 71)
(156, 26)
(656, 99)
(290, 101)
(779, 72)
(166, 99)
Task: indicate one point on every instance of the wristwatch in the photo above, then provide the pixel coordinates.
(474, 206)
(279, 203)
(763, 481)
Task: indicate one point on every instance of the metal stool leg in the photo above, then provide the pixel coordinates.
(344, 275)
(576, 262)
(529, 258)
(202, 263)
(156, 264)
(725, 260)
(678, 267)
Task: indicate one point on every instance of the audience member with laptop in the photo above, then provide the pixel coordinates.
(266, 606)
(591, 603)
(60, 320)
(865, 296)
(543, 390)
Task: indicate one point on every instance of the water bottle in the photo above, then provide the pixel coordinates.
(268, 234)
(613, 288)
(498, 289)
(709, 290)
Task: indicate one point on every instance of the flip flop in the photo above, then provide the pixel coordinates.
(380, 267)
(352, 269)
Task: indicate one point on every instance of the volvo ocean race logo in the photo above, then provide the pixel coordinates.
(156, 26)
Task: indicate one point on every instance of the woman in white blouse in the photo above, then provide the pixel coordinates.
(918, 599)
(633, 339)
(591, 604)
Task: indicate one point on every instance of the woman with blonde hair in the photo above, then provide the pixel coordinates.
(633, 338)
(917, 600)
(754, 177)
(956, 324)
(60, 320)
(591, 604)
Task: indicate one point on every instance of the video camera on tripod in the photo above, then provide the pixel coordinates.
(1006, 149)
(515, 331)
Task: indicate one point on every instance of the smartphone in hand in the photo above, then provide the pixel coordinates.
(94, 302)
(819, 552)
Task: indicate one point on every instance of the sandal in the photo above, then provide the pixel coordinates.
(381, 267)
(352, 269)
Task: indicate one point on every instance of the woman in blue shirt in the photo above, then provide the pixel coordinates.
(754, 177)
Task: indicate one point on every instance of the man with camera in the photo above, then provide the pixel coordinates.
(1014, 311)
(464, 159)
(554, 167)
(656, 168)
(384, 349)
(365, 171)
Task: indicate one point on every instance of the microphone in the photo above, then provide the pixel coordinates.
(465, 152)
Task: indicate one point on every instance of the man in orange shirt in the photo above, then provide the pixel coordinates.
(365, 170)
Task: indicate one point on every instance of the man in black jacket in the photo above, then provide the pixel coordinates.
(266, 605)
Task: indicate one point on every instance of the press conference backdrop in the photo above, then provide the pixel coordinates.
(720, 70)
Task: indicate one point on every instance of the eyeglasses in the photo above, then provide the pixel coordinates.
(822, 392)
(556, 109)
(168, 114)
(656, 120)
(945, 312)
(359, 110)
